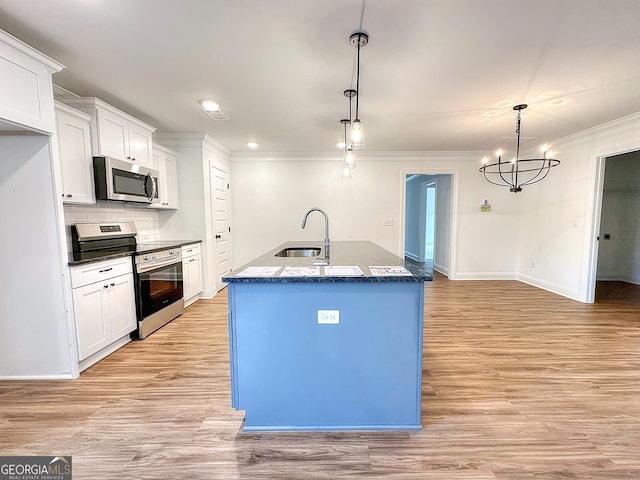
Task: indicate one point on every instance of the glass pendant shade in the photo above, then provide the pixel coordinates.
(346, 172)
(350, 158)
(357, 135)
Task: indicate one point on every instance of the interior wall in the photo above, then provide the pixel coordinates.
(442, 242)
(34, 339)
(559, 220)
(271, 193)
(619, 254)
(413, 212)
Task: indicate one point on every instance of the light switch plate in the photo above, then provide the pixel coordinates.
(328, 317)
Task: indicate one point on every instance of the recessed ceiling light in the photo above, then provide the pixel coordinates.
(252, 145)
(210, 105)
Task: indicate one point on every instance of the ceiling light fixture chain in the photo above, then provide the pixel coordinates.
(534, 169)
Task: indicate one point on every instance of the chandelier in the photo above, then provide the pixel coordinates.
(518, 172)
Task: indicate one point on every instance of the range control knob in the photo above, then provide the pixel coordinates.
(147, 257)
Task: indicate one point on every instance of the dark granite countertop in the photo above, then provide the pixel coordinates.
(148, 247)
(363, 254)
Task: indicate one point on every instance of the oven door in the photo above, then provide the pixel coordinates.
(158, 288)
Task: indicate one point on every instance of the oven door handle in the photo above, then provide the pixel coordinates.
(157, 264)
(154, 188)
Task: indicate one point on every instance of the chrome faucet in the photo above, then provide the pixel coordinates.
(326, 230)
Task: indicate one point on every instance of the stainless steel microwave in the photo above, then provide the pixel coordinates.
(118, 180)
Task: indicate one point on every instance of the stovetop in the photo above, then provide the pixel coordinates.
(140, 248)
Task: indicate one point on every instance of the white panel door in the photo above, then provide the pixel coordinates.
(220, 200)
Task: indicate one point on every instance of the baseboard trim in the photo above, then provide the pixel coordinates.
(550, 287)
(486, 276)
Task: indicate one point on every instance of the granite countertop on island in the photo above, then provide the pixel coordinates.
(361, 254)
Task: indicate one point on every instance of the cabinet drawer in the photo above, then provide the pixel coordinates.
(190, 250)
(95, 272)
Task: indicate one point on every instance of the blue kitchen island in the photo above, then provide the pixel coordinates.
(326, 347)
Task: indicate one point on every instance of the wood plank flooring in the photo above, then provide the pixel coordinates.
(518, 383)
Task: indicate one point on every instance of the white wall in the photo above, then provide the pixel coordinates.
(559, 220)
(619, 256)
(271, 193)
(34, 340)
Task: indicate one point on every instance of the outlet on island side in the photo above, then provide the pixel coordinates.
(328, 317)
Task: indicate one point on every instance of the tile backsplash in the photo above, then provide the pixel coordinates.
(146, 219)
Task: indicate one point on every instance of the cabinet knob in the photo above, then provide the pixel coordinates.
(113, 284)
(133, 159)
(128, 158)
(69, 195)
(106, 286)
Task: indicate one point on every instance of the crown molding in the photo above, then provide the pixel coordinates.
(366, 156)
(51, 65)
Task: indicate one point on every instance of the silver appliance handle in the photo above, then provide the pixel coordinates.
(147, 266)
(154, 187)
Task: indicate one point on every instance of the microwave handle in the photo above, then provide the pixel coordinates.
(154, 188)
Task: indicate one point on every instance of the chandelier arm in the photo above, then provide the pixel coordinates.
(491, 181)
(500, 172)
(535, 178)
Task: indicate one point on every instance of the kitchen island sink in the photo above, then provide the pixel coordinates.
(299, 252)
(335, 347)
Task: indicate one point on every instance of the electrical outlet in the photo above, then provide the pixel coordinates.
(328, 317)
(388, 222)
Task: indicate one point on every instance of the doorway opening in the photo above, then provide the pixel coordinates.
(618, 261)
(428, 221)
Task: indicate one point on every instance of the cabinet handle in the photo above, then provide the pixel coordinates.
(106, 270)
(218, 236)
(128, 158)
(106, 286)
(133, 159)
(69, 195)
(113, 284)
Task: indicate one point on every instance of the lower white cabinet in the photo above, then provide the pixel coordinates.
(104, 304)
(191, 272)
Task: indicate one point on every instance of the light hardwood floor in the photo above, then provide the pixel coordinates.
(518, 383)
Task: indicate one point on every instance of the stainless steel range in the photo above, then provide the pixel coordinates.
(159, 286)
(157, 269)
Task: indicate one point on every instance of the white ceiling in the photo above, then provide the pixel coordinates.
(436, 74)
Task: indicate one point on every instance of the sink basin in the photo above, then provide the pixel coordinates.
(298, 252)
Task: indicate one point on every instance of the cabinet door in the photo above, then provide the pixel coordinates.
(92, 318)
(74, 144)
(171, 182)
(140, 141)
(122, 306)
(113, 135)
(192, 276)
(187, 284)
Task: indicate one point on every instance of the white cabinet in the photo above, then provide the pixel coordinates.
(26, 95)
(115, 133)
(74, 154)
(104, 304)
(164, 160)
(191, 272)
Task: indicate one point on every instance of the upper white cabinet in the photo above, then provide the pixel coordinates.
(164, 160)
(26, 95)
(74, 154)
(115, 133)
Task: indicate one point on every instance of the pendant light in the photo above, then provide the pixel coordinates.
(349, 160)
(518, 172)
(358, 39)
